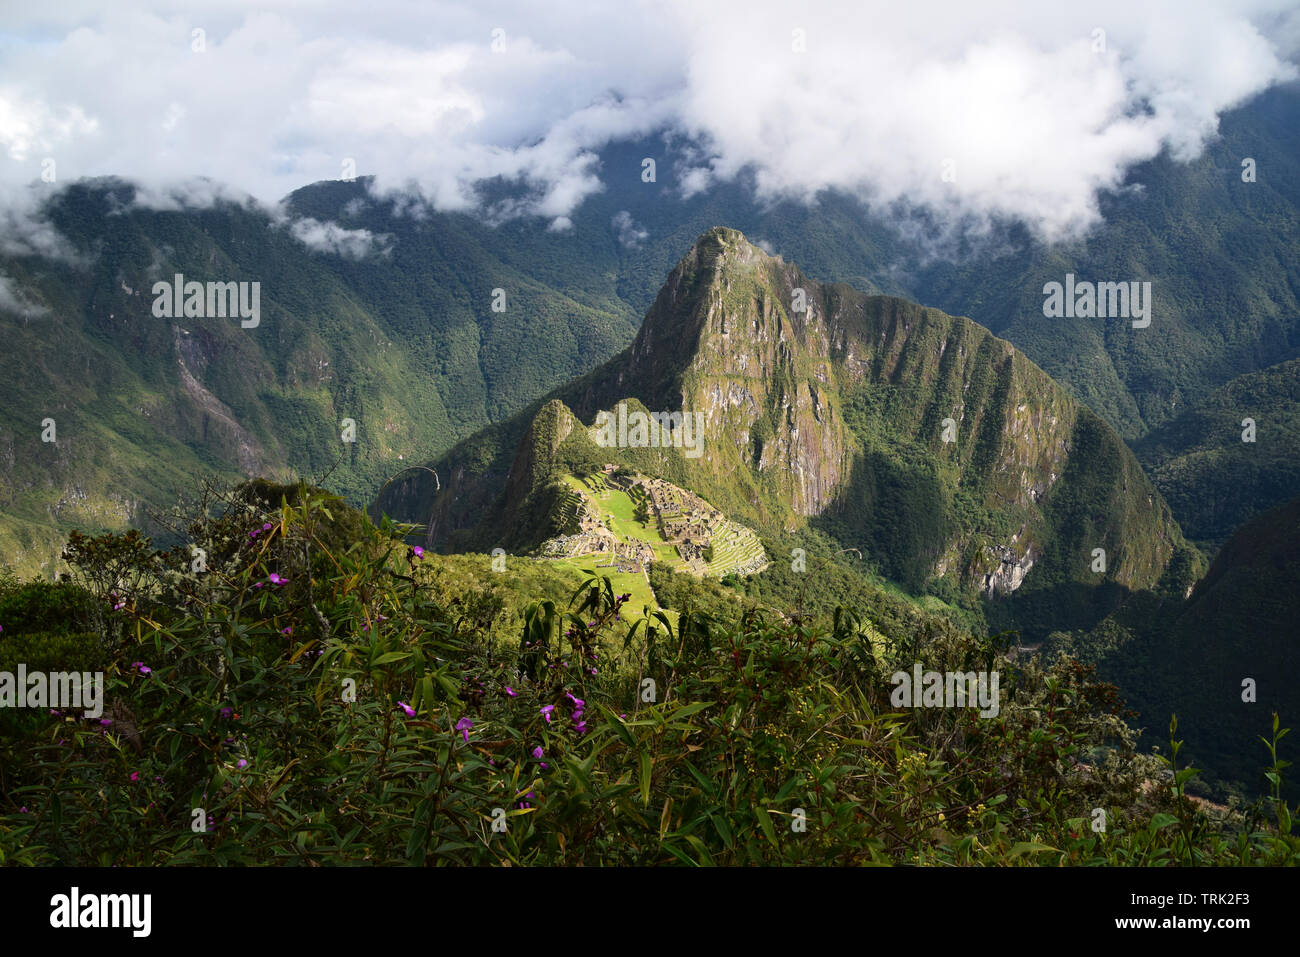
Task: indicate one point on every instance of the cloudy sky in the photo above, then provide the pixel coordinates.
(1029, 110)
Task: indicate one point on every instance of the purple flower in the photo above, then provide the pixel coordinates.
(417, 551)
(511, 691)
(105, 721)
(463, 726)
(580, 727)
(277, 580)
(266, 527)
(287, 631)
(241, 764)
(538, 752)
(141, 667)
(410, 712)
(546, 710)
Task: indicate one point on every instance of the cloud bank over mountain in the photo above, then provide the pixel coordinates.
(1007, 111)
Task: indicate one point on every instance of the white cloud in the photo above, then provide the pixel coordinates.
(1035, 122)
(332, 238)
(15, 301)
(629, 234)
(25, 231)
(1015, 105)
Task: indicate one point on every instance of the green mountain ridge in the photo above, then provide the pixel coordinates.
(1232, 456)
(405, 344)
(1192, 659)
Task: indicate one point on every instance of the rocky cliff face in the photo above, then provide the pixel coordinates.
(919, 437)
(759, 370)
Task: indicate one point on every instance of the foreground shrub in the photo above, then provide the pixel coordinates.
(288, 689)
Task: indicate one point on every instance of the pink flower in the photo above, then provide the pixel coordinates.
(135, 775)
(410, 712)
(511, 691)
(276, 579)
(417, 551)
(241, 764)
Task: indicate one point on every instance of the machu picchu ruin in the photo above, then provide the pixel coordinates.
(624, 521)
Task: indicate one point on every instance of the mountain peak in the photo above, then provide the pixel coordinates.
(724, 237)
(723, 274)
